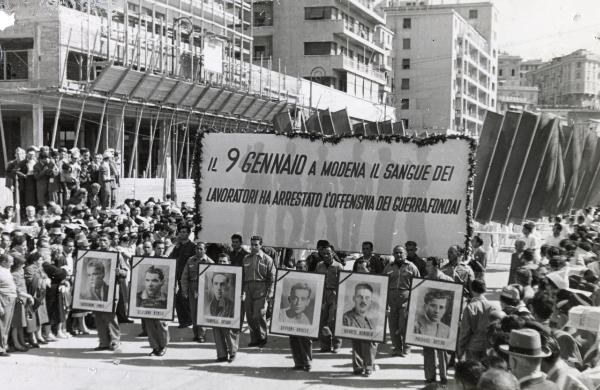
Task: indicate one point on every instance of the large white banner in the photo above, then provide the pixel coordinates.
(295, 191)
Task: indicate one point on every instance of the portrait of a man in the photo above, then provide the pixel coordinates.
(95, 288)
(220, 304)
(298, 300)
(151, 294)
(357, 317)
(428, 321)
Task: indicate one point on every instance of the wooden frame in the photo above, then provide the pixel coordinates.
(233, 321)
(152, 309)
(84, 300)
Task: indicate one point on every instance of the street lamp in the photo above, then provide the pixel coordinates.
(314, 71)
(190, 30)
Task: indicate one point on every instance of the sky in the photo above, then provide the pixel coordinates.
(534, 28)
(547, 28)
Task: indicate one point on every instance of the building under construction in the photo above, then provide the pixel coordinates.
(141, 76)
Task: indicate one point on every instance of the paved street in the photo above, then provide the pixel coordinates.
(70, 364)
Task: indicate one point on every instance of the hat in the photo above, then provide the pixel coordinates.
(525, 343)
(585, 317)
(510, 293)
(55, 231)
(92, 224)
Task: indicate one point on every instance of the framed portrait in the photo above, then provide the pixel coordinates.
(297, 303)
(220, 296)
(434, 308)
(95, 281)
(361, 306)
(152, 288)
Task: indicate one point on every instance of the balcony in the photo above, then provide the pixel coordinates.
(345, 31)
(362, 69)
(366, 7)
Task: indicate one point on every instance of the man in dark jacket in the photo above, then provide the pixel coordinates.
(184, 249)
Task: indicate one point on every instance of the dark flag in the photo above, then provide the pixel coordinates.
(359, 128)
(513, 171)
(341, 122)
(327, 122)
(550, 181)
(485, 151)
(313, 124)
(398, 128)
(372, 128)
(489, 192)
(589, 162)
(531, 168)
(571, 164)
(283, 122)
(386, 128)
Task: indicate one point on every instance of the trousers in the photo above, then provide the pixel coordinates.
(363, 355)
(429, 364)
(193, 305)
(398, 300)
(256, 317)
(108, 329)
(301, 350)
(8, 304)
(226, 342)
(327, 324)
(158, 333)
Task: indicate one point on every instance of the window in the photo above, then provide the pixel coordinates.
(406, 63)
(405, 84)
(260, 51)
(317, 13)
(578, 74)
(318, 48)
(512, 72)
(578, 65)
(473, 14)
(406, 23)
(500, 73)
(404, 123)
(404, 104)
(406, 43)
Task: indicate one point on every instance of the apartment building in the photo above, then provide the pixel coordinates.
(343, 44)
(572, 80)
(445, 63)
(515, 92)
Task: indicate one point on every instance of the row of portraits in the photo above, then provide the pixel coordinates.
(432, 320)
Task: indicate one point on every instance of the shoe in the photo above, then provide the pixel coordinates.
(114, 347)
(306, 368)
(126, 321)
(99, 348)
(444, 381)
(397, 352)
(4, 354)
(143, 334)
(231, 358)
(358, 372)
(50, 338)
(196, 338)
(335, 350)
(20, 349)
(153, 353)
(221, 360)
(34, 345)
(161, 352)
(61, 335)
(253, 344)
(298, 368)
(262, 343)
(325, 349)
(367, 373)
(42, 341)
(201, 339)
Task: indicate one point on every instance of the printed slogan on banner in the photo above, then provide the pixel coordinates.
(294, 191)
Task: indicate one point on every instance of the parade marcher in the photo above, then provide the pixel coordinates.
(189, 286)
(109, 333)
(458, 269)
(8, 296)
(184, 249)
(400, 273)
(237, 252)
(411, 255)
(331, 269)
(226, 340)
(479, 261)
(476, 317)
(430, 354)
(515, 260)
(525, 355)
(314, 258)
(259, 277)
(363, 352)
(301, 347)
(532, 241)
(369, 262)
(156, 330)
